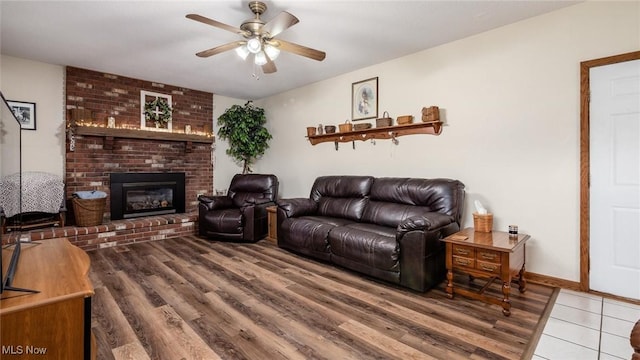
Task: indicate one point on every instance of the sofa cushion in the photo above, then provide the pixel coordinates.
(308, 234)
(390, 214)
(417, 196)
(371, 245)
(351, 209)
(341, 196)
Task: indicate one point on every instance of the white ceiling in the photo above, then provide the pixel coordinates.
(152, 40)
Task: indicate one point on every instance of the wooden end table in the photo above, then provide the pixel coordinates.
(272, 221)
(490, 255)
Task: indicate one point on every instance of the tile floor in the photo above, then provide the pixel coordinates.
(585, 326)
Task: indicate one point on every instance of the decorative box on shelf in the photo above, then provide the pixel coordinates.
(404, 119)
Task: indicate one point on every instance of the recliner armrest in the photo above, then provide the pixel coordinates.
(215, 202)
(298, 207)
(258, 202)
(426, 222)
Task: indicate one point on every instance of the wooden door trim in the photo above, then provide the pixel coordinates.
(585, 90)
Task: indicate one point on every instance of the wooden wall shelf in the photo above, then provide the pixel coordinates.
(388, 132)
(110, 133)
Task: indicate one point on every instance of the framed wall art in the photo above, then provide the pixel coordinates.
(25, 112)
(156, 109)
(364, 99)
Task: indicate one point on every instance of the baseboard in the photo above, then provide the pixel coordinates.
(572, 285)
(552, 281)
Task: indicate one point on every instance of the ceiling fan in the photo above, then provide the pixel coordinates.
(259, 38)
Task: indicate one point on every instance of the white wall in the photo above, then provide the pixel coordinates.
(43, 84)
(510, 99)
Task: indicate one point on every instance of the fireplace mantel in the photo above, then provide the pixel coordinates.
(110, 133)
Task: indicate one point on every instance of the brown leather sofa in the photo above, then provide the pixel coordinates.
(387, 228)
(241, 215)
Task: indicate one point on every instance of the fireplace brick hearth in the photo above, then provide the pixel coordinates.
(120, 232)
(93, 158)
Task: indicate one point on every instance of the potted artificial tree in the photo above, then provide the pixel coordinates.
(243, 127)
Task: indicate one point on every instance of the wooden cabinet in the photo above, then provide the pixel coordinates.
(491, 255)
(476, 259)
(56, 322)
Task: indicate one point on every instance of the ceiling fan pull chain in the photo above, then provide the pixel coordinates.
(256, 72)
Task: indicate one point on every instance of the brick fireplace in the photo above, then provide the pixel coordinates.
(95, 152)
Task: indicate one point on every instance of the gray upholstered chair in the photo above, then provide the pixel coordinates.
(241, 215)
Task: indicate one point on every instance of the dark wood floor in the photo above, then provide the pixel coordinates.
(189, 298)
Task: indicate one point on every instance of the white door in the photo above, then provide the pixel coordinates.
(615, 179)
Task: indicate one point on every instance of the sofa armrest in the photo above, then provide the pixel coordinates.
(297, 207)
(429, 221)
(215, 202)
(422, 253)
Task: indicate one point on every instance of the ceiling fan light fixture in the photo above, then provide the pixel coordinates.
(258, 38)
(272, 51)
(242, 51)
(260, 59)
(254, 45)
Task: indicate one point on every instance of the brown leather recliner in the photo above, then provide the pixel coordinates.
(241, 215)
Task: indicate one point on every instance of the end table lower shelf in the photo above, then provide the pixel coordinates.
(489, 255)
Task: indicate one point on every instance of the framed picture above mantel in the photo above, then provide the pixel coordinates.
(364, 99)
(155, 111)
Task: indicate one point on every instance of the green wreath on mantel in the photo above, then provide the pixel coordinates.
(163, 114)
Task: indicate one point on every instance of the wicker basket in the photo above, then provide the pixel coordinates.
(346, 127)
(88, 212)
(483, 222)
(364, 126)
(384, 121)
(404, 120)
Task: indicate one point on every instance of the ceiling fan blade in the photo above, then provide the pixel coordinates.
(299, 49)
(218, 24)
(221, 48)
(269, 67)
(280, 23)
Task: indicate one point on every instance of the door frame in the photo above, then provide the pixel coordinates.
(585, 166)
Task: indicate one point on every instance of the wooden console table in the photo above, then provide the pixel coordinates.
(490, 255)
(56, 322)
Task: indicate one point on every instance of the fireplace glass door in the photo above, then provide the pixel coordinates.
(148, 198)
(146, 194)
